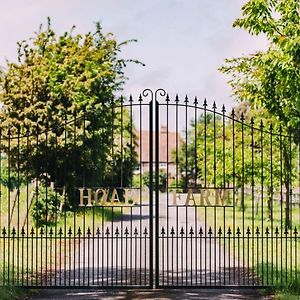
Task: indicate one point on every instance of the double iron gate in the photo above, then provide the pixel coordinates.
(150, 192)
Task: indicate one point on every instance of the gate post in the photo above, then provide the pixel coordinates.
(158, 92)
(146, 93)
(156, 192)
(151, 190)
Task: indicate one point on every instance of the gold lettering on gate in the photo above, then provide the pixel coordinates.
(115, 197)
(88, 197)
(126, 195)
(190, 197)
(202, 197)
(103, 199)
(175, 196)
(129, 196)
(221, 196)
(108, 196)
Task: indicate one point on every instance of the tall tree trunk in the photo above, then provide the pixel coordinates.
(287, 184)
(270, 203)
(287, 204)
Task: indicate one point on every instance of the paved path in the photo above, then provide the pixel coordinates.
(118, 259)
(107, 264)
(120, 254)
(199, 294)
(188, 258)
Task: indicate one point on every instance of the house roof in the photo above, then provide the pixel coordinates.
(168, 142)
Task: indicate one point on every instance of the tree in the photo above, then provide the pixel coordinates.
(270, 79)
(59, 105)
(238, 151)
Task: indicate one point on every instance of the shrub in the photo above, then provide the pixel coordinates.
(46, 206)
(136, 181)
(11, 179)
(162, 182)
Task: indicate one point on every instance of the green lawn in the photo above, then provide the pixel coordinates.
(44, 247)
(274, 255)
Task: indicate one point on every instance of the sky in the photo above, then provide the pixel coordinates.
(181, 42)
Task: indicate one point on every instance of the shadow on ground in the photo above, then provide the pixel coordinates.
(152, 294)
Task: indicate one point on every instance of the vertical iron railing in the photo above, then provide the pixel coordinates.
(232, 201)
(154, 191)
(51, 237)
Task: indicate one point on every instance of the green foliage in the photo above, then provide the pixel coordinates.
(286, 295)
(9, 293)
(10, 178)
(238, 151)
(270, 78)
(46, 94)
(284, 279)
(60, 74)
(136, 181)
(162, 180)
(46, 204)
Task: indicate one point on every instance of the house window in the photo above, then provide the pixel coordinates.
(163, 165)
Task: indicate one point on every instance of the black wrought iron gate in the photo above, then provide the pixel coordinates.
(150, 192)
